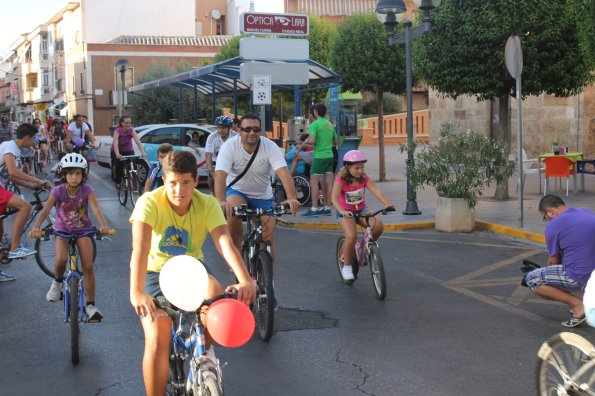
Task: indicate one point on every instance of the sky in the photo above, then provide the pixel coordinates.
(22, 16)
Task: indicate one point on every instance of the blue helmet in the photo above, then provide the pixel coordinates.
(224, 121)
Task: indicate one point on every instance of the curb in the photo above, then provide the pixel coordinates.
(511, 231)
(497, 228)
(335, 226)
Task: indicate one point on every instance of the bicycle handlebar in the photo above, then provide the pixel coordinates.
(242, 211)
(368, 215)
(172, 310)
(129, 157)
(93, 231)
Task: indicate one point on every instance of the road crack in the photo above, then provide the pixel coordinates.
(100, 390)
(365, 375)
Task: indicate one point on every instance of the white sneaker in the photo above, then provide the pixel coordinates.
(93, 314)
(347, 273)
(55, 292)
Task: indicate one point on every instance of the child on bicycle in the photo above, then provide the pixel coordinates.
(155, 175)
(170, 221)
(349, 198)
(72, 199)
(26, 164)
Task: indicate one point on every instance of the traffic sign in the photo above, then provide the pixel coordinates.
(261, 90)
(274, 49)
(281, 73)
(285, 24)
(513, 56)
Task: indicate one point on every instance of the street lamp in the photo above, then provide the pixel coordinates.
(121, 65)
(390, 8)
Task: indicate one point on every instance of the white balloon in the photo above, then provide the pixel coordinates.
(184, 282)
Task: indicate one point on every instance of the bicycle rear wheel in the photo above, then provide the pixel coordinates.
(377, 269)
(46, 253)
(560, 358)
(302, 189)
(340, 259)
(134, 189)
(123, 191)
(73, 317)
(264, 305)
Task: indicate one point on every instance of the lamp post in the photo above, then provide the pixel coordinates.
(121, 65)
(390, 8)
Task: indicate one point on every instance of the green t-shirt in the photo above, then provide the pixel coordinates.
(324, 132)
(175, 235)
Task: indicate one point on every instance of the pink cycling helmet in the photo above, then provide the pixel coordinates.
(354, 156)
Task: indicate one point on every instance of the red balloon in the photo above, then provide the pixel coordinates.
(230, 322)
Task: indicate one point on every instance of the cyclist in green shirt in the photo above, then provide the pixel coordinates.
(323, 137)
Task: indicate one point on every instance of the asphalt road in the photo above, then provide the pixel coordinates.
(455, 321)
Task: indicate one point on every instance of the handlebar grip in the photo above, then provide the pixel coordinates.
(42, 234)
(111, 232)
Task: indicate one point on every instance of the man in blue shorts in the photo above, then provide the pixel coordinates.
(254, 188)
(570, 240)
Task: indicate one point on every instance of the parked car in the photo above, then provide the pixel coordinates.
(151, 136)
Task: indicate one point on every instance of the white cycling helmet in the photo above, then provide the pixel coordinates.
(73, 160)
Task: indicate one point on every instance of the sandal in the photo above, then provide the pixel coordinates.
(573, 322)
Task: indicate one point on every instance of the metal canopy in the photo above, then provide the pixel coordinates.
(221, 78)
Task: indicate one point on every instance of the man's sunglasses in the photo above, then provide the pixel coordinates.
(251, 129)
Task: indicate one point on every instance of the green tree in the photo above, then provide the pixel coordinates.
(463, 54)
(320, 37)
(360, 54)
(161, 104)
(230, 50)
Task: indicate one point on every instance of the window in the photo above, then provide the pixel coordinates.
(203, 136)
(169, 135)
(45, 79)
(31, 81)
(220, 27)
(44, 45)
(128, 78)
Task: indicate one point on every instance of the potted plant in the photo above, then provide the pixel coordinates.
(460, 165)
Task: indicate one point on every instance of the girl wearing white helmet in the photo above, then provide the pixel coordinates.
(72, 199)
(349, 198)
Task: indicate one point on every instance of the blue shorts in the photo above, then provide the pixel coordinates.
(253, 203)
(553, 275)
(152, 282)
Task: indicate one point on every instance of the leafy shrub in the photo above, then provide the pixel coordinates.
(460, 164)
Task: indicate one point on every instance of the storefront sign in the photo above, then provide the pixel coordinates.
(284, 24)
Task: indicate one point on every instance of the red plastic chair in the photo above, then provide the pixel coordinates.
(559, 167)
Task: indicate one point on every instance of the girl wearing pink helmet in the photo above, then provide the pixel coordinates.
(349, 198)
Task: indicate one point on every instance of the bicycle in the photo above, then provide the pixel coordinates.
(260, 265)
(129, 183)
(204, 376)
(74, 290)
(37, 206)
(367, 251)
(566, 366)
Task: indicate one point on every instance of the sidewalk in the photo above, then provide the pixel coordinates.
(497, 216)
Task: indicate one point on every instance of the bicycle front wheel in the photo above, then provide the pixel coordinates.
(209, 384)
(377, 270)
(134, 189)
(46, 253)
(264, 306)
(560, 359)
(73, 309)
(123, 191)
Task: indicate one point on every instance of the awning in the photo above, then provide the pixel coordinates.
(222, 76)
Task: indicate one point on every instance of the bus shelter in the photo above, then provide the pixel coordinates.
(223, 79)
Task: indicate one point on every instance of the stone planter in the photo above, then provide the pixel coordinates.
(454, 215)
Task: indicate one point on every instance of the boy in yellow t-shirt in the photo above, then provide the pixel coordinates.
(169, 221)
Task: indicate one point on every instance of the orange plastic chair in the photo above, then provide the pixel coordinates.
(559, 167)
